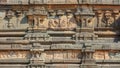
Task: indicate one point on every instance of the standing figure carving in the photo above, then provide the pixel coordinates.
(62, 20)
(99, 14)
(53, 21)
(116, 15)
(71, 22)
(108, 20)
(85, 17)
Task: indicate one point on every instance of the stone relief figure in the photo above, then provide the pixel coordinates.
(99, 14)
(71, 22)
(85, 17)
(116, 15)
(13, 54)
(10, 18)
(13, 19)
(108, 20)
(38, 55)
(87, 22)
(40, 18)
(62, 19)
(43, 23)
(53, 20)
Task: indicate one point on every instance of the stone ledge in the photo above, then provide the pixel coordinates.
(63, 61)
(15, 61)
(108, 61)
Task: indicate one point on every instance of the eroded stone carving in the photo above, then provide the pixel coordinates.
(68, 54)
(14, 54)
(9, 17)
(43, 23)
(13, 19)
(101, 55)
(85, 17)
(62, 21)
(40, 18)
(114, 55)
(71, 22)
(37, 54)
(108, 20)
(99, 18)
(116, 15)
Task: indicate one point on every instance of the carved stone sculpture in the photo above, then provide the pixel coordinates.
(99, 18)
(63, 22)
(53, 20)
(37, 54)
(116, 15)
(108, 20)
(85, 17)
(43, 23)
(9, 17)
(14, 54)
(71, 22)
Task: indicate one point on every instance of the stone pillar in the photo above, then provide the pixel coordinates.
(99, 18)
(87, 60)
(37, 60)
(116, 17)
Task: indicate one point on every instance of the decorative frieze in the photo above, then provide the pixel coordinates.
(14, 55)
(68, 54)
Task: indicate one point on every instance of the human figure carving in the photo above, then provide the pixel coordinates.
(43, 22)
(108, 19)
(62, 20)
(53, 21)
(71, 22)
(116, 15)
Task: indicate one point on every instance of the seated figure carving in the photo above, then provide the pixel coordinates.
(85, 17)
(10, 19)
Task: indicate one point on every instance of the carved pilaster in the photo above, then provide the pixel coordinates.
(85, 17)
(71, 22)
(37, 56)
(116, 15)
(99, 18)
